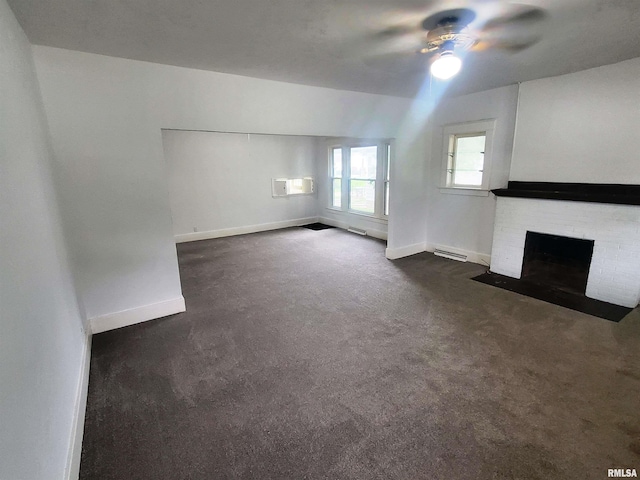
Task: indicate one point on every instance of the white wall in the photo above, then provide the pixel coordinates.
(580, 127)
(106, 116)
(462, 221)
(221, 181)
(42, 341)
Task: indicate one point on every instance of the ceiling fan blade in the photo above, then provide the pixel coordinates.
(517, 15)
(514, 31)
(508, 45)
(399, 62)
(370, 46)
(397, 31)
(462, 16)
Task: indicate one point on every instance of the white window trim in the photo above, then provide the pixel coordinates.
(331, 178)
(388, 154)
(381, 171)
(482, 126)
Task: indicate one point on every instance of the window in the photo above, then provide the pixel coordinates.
(387, 171)
(336, 177)
(362, 178)
(467, 155)
(359, 177)
(466, 160)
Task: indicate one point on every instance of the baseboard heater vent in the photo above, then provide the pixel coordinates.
(461, 257)
(359, 231)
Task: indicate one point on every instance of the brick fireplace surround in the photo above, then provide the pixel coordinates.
(614, 274)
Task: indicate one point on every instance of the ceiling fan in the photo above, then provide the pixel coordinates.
(452, 32)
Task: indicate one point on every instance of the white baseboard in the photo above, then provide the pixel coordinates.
(473, 257)
(371, 232)
(395, 253)
(77, 429)
(137, 315)
(228, 232)
(480, 258)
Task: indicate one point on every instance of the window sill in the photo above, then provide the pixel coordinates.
(293, 195)
(475, 192)
(368, 216)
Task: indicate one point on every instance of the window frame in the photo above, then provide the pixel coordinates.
(332, 178)
(350, 179)
(467, 129)
(381, 179)
(388, 154)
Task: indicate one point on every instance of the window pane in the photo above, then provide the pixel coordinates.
(388, 162)
(336, 165)
(386, 198)
(362, 195)
(295, 186)
(337, 192)
(469, 160)
(364, 161)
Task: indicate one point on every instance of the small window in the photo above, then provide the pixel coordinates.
(467, 155)
(466, 160)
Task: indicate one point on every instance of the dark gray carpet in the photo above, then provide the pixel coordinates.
(307, 354)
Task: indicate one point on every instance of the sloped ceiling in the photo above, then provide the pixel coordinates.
(332, 43)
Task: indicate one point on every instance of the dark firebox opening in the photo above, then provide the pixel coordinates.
(557, 262)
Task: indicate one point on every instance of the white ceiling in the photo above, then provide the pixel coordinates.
(329, 43)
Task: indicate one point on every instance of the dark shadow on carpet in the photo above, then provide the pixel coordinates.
(571, 300)
(317, 226)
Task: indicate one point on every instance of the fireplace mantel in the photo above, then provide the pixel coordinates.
(577, 192)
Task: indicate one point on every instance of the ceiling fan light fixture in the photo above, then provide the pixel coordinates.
(447, 65)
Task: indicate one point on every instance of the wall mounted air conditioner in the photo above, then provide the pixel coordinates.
(284, 187)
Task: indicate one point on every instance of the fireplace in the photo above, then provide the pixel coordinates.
(557, 261)
(601, 224)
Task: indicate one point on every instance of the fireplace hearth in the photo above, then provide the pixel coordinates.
(558, 296)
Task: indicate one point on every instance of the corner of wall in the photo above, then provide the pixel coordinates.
(77, 430)
(132, 316)
(401, 252)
